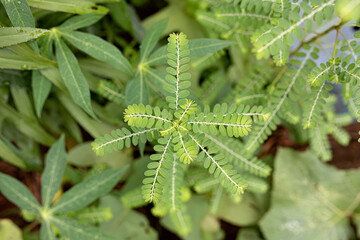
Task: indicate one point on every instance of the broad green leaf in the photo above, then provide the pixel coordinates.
(46, 231)
(27, 126)
(41, 88)
(129, 224)
(73, 77)
(53, 75)
(55, 164)
(17, 193)
(151, 38)
(70, 6)
(99, 49)
(136, 91)
(88, 191)
(9, 230)
(80, 21)
(310, 200)
(198, 48)
(73, 230)
(19, 13)
(11, 154)
(14, 35)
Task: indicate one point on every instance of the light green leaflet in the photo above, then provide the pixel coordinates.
(14, 35)
(311, 200)
(99, 49)
(70, 6)
(73, 77)
(41, 88)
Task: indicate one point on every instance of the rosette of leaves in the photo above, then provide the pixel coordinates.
(183, 132)
(52, 213)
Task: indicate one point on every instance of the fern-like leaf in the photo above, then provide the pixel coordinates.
(121, 138)
(110, 91)
(178, 59)
(217, 165)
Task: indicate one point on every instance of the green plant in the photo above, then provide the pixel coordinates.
(194, 115)
(77, 198)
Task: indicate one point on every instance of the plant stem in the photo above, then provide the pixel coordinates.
(334, 27)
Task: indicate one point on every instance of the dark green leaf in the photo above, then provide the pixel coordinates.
(151, 38)
(14, 35)
(19, 13)
(73, 77)
(54, 169)
(99, 49)
(18, 194)
(80, 21)
(41, 88)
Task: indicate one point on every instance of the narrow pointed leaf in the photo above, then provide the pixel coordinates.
(99, 49)
(46, 231)
(41, 88)
(55, 164)
(14, 35)
(18, 193)
(73, 77)
(86, 192)
(80, 21)
(19, 13)
(151, 38)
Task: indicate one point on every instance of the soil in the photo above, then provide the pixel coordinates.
(343, 158)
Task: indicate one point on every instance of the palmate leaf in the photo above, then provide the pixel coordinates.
(46, 231)
(137, 91)
(19, 13)
(315, 208)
